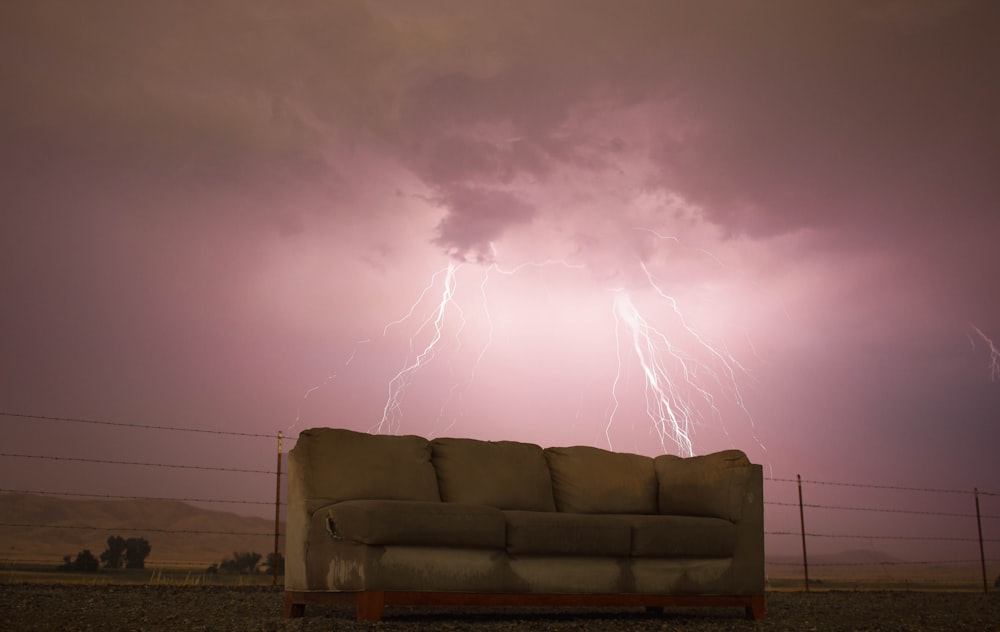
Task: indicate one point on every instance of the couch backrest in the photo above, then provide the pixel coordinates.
(333, 465)
(336, 464)
(592, 480)
(501, 474)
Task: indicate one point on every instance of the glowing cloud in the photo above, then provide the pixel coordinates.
(682, 372)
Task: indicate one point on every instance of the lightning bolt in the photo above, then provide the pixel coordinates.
(728, 363)
(458, 389)
(436, 322)
(671, 388)
(670, 414)
(994, 362)
(327, 380)
(392, 412)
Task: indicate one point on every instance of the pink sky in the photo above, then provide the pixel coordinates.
(206, 208)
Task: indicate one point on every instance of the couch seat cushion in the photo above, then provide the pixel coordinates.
(551, 533)
(335, 464)
(713, 485)
(592, 480)
(501, 474)
(416, 523)
(682, 536)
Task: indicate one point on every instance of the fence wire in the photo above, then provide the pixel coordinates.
(933, 490)
(142, 463)
(122, 424)
(126, 497)
(883, 510)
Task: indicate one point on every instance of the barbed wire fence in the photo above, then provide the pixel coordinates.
(960, 531)
(261, 485)
(787, 515)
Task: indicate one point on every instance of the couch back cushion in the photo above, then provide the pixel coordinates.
(501, 474)
(592, 480)
(338, 465)
(713, 485)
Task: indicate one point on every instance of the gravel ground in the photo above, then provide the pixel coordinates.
(147, 608)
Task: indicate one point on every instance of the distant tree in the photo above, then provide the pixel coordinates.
(84, 562)
(114, 555)
(136, 552)
(269, 564)
(244, 563)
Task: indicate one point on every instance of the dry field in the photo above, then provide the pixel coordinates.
(130, 577)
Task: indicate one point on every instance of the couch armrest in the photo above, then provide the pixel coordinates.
(297, 524)
(748, 560)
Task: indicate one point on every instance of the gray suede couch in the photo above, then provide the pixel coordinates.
(377, 520)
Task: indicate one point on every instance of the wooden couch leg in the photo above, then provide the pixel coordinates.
(293, 610)
(755, 610)
(370, 604)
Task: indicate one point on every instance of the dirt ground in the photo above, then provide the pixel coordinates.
(211, 608)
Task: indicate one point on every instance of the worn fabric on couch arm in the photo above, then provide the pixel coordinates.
(502, 474)
(713, 485)
(347, 465)
(592, 480)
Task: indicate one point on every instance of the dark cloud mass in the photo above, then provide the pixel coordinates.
(859, 119)
(475, 218)
(205, 206)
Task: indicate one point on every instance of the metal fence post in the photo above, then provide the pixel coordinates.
(802, 523)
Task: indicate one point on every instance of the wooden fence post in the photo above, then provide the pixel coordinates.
(979, 525)
(277, 515)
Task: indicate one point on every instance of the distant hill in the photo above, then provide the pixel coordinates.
(177, 531)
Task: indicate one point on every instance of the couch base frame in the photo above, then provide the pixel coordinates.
(369, 603)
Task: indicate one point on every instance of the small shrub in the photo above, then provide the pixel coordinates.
(270, 564)
(136, 552)
(130, 553)
(114, 555)
(85, 562)
(243, 563)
